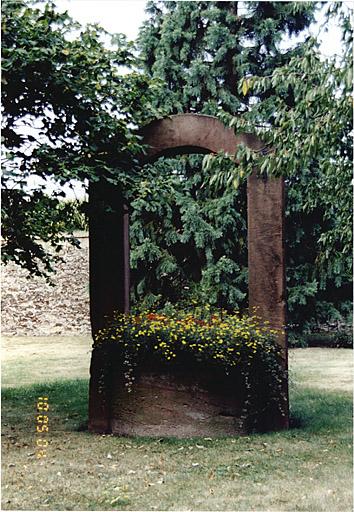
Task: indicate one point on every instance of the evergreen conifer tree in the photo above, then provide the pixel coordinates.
(200, 52)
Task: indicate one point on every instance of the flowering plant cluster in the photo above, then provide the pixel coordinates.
(233, 341)
(230, 339)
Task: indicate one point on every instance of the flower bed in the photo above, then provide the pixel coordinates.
(198, 372)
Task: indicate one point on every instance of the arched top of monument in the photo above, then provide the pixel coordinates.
(193, 133)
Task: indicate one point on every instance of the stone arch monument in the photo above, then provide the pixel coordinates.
(109, 239)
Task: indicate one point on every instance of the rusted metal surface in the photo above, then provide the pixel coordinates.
(182, 400)
(193, 133)
(265, 231)
(108, 253)
(109, 284)
(99, 393)
(109, 232)
(266, 261)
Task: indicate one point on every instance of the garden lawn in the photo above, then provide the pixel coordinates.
(307, 468)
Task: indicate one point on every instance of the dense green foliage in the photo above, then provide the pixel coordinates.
(316, 161)
(217, 58)
(337, 337)
(187, 243)
(70, 113)
(201, 50)
(39, 218)
(66, 111)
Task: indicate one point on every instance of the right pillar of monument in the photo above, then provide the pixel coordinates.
(266, 263)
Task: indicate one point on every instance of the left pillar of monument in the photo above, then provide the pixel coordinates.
(109, 287)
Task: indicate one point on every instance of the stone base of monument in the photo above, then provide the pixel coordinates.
(178, 402)
(179, 399)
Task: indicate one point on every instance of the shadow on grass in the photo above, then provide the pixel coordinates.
(68, 402)
(312, 411)
(317, 410)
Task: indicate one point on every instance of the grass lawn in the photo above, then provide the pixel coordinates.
(307, 468)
